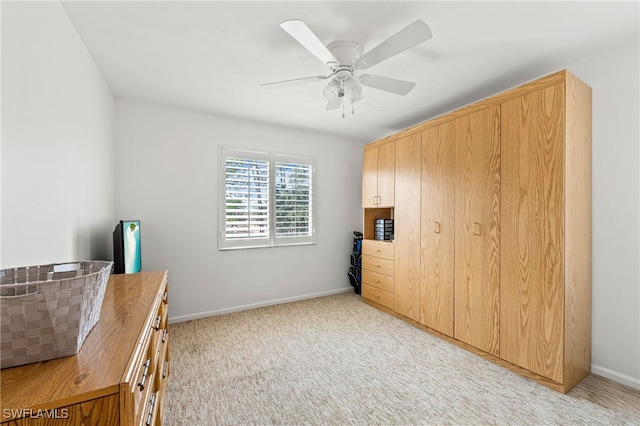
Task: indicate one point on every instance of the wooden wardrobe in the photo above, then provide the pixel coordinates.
(492, 211)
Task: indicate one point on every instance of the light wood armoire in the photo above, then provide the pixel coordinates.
(492, 212)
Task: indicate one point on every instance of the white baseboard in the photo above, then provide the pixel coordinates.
(223, 311)
(632, 382)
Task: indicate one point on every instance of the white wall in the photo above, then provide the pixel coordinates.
(166, 176)
(57, 146)
(613, 76)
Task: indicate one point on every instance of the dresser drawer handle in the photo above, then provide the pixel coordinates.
(164, 335)
(144, 374)
(164, 296)
(152, 402)
(156, 327)
(164, 368)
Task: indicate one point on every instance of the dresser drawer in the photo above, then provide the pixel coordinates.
(378, 296)
(381, 249)
(375, 279)
(376, 264)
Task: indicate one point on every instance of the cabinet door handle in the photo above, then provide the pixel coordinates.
(476, 228)
(379, 200)
(144, 374)
(374, 200)
(436, 228)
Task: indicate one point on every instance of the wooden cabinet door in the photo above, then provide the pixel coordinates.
(531, 289)
(378, 175)
(407, 226)
(437, 228)
(386, 174)
(477, 235)
(369, 177)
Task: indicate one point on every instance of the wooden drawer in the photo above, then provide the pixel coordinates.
(374, 279)
(376, 264)
(378, 296)
(383, 249)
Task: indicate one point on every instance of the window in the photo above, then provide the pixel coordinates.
(266, 199)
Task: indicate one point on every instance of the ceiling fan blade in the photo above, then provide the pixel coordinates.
(331, 105)
(399, 87)
(298, 80)
(303, 35)
(404, 39)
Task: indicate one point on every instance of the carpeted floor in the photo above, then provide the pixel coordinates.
(337, 361)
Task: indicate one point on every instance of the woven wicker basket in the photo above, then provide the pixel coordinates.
(47, 311)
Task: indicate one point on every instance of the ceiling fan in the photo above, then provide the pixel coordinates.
(346, 60)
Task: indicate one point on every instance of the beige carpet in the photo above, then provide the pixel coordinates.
(336, 361)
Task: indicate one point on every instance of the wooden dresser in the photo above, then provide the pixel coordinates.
(118, 377)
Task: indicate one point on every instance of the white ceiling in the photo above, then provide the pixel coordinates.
(212, 56)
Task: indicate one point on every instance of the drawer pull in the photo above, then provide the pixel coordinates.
(156, 327)
(164, 335)
(152, 402)
(144, 374)
(164, 296)
(164, 368)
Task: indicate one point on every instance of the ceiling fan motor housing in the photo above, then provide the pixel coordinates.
(346, 52)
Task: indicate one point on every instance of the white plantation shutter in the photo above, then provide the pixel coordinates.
(266, 200)
(246, 200)
(293, 201)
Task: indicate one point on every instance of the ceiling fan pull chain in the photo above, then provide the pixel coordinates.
(342, 95)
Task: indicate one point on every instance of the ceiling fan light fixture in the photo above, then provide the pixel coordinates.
(332, 91)
(352, 90)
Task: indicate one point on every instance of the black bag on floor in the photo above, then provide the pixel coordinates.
(355, 270)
